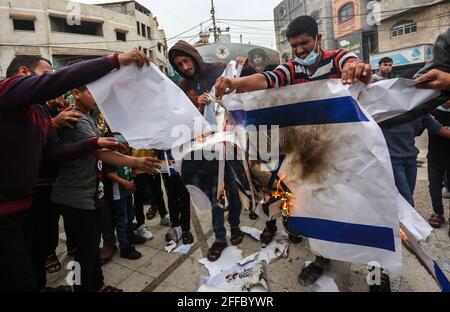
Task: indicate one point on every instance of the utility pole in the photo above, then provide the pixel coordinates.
(213, 16)
(216, 30)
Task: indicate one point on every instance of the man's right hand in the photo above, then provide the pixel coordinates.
(111, 144)
(225, 85)
(148, 164)
(66, 119)
(203, 100)
(134, 56)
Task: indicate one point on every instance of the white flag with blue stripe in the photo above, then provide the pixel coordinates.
(337, 167)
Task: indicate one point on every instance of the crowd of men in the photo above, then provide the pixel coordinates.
(61, 158)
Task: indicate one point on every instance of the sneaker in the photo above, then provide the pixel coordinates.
(267, 236)
(384, 287)
(130, 253)
(165, 221)
(187, 237)
(174, 234)
(445, 194)
(144, 232)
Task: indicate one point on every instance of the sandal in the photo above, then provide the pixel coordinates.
(237, 236)
(436, 221)
(52, 265)
(311, 273)
(216, 250)
(385, 285)
(151, 213)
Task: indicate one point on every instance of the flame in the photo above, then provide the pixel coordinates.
(284, 196)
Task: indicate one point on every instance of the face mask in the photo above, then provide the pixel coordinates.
(444, 109)
(310, 59)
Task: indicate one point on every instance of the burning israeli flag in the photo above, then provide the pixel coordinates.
(334, 177)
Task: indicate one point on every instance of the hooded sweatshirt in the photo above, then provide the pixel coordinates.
(205, 75)
(27, 131)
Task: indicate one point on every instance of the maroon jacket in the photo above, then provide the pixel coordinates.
(26, 130)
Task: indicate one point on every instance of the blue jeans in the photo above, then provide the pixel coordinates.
(405, 173)
(124, 214)
(436, 174)
(235, 207)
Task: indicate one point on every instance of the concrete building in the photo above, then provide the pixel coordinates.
(64, 31)
(408, 31)
(288, 10)
(354, 30)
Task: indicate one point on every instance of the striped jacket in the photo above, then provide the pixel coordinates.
(330, 67)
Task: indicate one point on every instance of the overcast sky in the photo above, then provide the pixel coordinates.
(177, 16)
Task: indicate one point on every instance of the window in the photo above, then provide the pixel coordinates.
(143, 30)
(145, 51)
(149, 33)
(23, 24)
(121, 36)
(160, 47)
(59, 24)
(403, 28)
(346, 13)
(282, 12)
(138, 28)
(150, 53)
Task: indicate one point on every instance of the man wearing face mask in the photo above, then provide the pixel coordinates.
(310, 64)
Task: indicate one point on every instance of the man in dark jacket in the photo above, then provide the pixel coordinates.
(29, 139)
(438, 72)
(200, 77)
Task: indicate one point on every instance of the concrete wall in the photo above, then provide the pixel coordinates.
(295, 8)
(429, 26)
(49, 43)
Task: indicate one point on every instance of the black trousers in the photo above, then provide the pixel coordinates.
(179, 201)
(156, 196)
(45, 232)
(83, 227)
(16, 269)
(436, 177)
